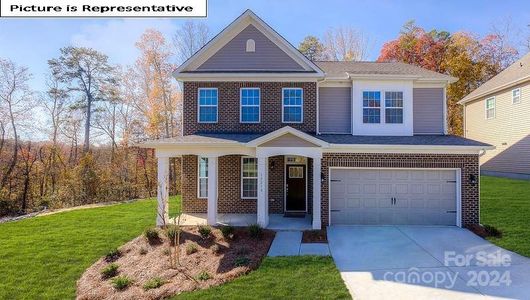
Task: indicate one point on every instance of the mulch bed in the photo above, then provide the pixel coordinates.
(315, 236)
(484, 231)
(142, 262)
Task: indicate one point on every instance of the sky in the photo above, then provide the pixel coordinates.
(31, 42)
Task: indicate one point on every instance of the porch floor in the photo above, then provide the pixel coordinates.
(276, 221)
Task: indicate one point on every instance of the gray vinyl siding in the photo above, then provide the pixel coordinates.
(428, 110)
(334, 109)
(233, 55)
(508, 131)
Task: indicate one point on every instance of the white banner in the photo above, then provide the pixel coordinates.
(103, 8)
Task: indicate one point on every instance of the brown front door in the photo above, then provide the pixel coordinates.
(295, 188)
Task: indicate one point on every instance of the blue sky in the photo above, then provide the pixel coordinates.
(32, 42)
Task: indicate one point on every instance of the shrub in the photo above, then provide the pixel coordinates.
(171, 233)
(205, 231)
(227, 231)
(241, 261)
(492, 231)
(255, 231)
(191, 248)
(151, 235)
(203, 276)
(242, 251)
(121, 282)
(215, 249)
(143, 251)
(110, 271)
(154, 283)
(112, 255)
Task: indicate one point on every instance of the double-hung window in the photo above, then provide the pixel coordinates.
(250, 105)
(394, 107)
(208, 99)
(371, 107)
(203, 177)
(490, 108)
(292, 105)
(516, 96)
(249, 177)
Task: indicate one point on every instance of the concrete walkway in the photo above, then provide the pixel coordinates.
(289, 243)
(421, 262)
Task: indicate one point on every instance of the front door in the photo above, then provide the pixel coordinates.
(295, 188)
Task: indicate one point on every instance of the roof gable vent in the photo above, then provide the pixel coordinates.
(251, 45)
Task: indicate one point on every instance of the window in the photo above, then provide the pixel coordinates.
(394, 107)
(292, 105)
(249, 177)
(371, 107)
(250, 101)
(203, 177)
(207, 105)
(296, 172)
(251, 45)
(490, 108)
(516, 96)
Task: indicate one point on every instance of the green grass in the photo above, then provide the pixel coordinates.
(42, 258)
(505, 204)
(302, 277)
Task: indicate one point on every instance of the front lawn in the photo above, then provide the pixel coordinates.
(505, 204)
(300, 277)
(42, 257)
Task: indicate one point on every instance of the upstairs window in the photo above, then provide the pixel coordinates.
(292, 108)
(250, 105)
(394, 107)
(208, 98)
(490, 108)
(371, 107)
(203, 177)
(249, 177)
(516, 96)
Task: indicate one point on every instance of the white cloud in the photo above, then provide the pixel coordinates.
(117, 38)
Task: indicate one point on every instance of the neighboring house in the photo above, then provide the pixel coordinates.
(498, 113)
(268, 132)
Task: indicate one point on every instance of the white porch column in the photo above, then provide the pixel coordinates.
(162, 191)
(263, 191)
(317, 171)
(212, 190)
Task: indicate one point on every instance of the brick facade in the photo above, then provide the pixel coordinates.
(467, 163)
(229, 107)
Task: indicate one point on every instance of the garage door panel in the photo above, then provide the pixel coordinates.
(422, 197)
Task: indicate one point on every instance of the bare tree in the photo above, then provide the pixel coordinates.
(189, 38)
(345, 44)
(15, 102)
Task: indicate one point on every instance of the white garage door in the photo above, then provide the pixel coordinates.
(393, 196)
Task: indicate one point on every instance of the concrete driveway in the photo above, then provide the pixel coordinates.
(406, 262)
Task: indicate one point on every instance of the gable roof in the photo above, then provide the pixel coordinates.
(359, 69)
(516, 73)
(284, 131)
(232, 30)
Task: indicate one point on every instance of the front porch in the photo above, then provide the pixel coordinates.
(276, 221)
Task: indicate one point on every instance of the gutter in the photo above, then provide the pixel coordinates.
(499, 88)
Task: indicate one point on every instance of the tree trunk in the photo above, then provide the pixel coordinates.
(86, 146)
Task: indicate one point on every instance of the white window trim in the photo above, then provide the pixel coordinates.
(241, 105)
(486, 108)
(301, 106)
(250, 45)
(242, 197)
(199, 177)
(199, 106)
(519, 97)
(381, 106)
(396, 107)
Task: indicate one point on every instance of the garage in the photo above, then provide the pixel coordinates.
(393, 196)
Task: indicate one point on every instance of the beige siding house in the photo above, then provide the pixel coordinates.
(498, 113)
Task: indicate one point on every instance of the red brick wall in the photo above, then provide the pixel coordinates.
(229, 107)
(276, 184)
(467, 163)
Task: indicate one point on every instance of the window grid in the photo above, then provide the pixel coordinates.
(202, 171)
(490, 108)
(250, 105)
(208, 100)
(292, 105)
(249, 178)
(516, 96)
(371, 107)
(394, 107)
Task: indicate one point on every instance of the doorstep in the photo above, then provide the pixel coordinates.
(289, 243)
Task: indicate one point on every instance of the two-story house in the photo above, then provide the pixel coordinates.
(270, 134)
(498, 113)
